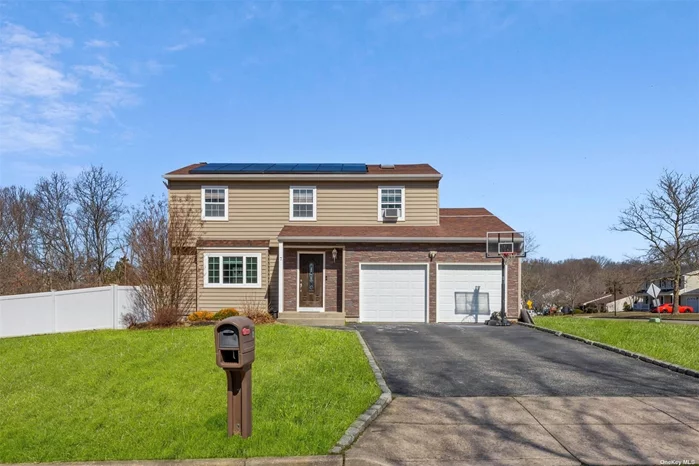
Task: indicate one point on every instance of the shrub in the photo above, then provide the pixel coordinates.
(200, 316)
(260, 317)
(257, 310)
(225, 313)
(628, 307)
(578, 311)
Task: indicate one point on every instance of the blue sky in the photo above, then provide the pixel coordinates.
(550, 114)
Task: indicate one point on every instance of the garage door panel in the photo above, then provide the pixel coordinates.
(481, 280)
(393, 293)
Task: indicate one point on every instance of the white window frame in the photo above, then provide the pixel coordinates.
(402, 202)
(291, 204)
(203, 204)
(244, 256)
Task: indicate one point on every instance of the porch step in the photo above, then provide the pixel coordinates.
(313, 319)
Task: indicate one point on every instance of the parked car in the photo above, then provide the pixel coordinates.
(667, 308)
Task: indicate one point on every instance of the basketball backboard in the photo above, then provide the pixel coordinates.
(505, 243)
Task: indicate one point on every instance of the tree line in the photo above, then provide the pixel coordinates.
(62, 233)
(666, 217)
(65, 234)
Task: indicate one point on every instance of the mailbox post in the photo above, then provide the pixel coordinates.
(235, 352)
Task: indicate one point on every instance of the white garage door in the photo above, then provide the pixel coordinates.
(393, 293)
(467, 293)
(694, 302)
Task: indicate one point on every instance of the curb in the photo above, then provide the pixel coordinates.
(364, 419)
(630, 354)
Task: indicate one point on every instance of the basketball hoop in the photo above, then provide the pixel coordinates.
(508, 246)
(509, 258)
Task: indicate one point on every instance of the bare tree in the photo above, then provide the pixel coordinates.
(99, 197)
(18, 246)
(163, 255)
(57, 231)
(579, 279)
(668, 219)
(536, 279)
(623, 278)
(531, 243)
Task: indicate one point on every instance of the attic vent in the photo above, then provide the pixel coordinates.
(387, 165)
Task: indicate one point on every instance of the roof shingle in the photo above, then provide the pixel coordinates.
(232, 243)
(449, 227)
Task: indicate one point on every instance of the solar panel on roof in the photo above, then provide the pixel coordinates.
(354, 168)
(330, 168)
(208, 168)
(232, 168)
(281, 168)
(257, 167)
(305, 168)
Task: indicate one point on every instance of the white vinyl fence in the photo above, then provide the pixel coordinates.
(65, 311)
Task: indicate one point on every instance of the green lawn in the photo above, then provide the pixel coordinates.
(675, 343)
(642, 315)
(145, 394)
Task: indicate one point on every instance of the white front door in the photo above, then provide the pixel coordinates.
(468, 293)
(392, 293)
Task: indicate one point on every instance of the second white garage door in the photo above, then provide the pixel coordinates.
(467, 293)
(392, 293)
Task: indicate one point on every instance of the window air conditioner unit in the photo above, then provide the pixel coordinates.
(391, 214)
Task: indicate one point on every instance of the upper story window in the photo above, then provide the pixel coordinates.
(302, 203)
(214, 203)
(232, 270)
(390, 198)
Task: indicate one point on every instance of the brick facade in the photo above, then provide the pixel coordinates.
(356, 253)
(333, 278)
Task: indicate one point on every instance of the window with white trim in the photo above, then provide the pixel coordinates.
(392, 197)
(214, 203)
(232, 270)
(302, 203)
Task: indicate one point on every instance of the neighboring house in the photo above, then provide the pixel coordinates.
(608, 302)
(689, 290)
(367, 241)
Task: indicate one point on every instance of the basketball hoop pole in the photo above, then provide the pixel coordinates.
(503, 314)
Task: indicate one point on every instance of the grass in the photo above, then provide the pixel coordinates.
(158, 394)
(643, 315)
(675, 343)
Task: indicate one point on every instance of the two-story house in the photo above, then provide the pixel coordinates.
(689, 291)
(369, 242)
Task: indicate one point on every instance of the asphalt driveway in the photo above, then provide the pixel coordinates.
(452, 360)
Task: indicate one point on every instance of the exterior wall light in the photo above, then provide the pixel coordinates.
(334, 254)
(432, 255)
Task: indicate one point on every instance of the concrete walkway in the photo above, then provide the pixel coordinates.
(532, 430)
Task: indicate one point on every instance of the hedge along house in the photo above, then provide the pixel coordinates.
(359, 242)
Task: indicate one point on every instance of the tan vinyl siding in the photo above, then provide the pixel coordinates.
(213, 299)
(259, 210)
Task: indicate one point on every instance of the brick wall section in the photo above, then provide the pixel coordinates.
(333, 279)
(419, 253)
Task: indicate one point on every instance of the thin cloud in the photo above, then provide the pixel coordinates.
(98, 19)
(101, 44)
(44, 101)
(72, 18)
(192, 42)
(147, 68)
